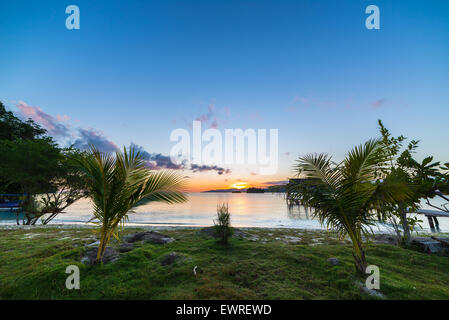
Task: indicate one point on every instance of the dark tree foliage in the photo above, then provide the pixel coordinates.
(426, 179)
(13, 129)
(33, 164)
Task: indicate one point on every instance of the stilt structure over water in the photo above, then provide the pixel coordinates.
(293, 197)
(432, 217)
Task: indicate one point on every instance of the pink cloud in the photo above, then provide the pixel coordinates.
(378, 103)
(59, 129)
(52, 124)
(291, 109)
(255, 116)
(214, 124)
(63, 118)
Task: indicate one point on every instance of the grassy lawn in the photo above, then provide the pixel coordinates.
(33, 263)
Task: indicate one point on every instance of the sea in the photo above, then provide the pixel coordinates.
(268, 210)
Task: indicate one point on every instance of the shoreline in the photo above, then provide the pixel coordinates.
(68, 226)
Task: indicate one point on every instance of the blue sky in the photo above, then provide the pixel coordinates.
(136, 70)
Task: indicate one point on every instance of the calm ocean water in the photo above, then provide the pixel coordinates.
(248, 210)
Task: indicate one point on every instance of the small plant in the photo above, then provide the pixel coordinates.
(119, 183)
(223, 223)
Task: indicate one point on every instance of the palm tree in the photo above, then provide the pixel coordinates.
(345, 195)
(119, 183)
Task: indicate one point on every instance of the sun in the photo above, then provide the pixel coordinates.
(239, 185)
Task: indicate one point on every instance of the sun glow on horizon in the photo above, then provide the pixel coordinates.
(239, 185)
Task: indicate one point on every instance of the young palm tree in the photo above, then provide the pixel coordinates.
(121, 182)
(345, 195)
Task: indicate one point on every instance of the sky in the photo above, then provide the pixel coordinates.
(137, 70)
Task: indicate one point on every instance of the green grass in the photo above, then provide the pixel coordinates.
(33, 263)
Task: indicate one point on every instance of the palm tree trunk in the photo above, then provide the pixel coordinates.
(360, 260)
(104, 240)
(102, 246)
(358, 253)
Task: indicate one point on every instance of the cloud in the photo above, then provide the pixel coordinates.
(59, 128)
(214, 124)
(214, 117)
(255, 116)
(160, 161)
(88, 137)
(82, 138)
(63, 118)
(207, 116)
(156, 160)
(378, 103)
(291, 109)
(202, 168)
(301, 99)
(54, 126)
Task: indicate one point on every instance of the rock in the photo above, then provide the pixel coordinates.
(372, 292)
(148, 236)
(94, 244)
(125, 247)
(333, 261)
(170, 258)
(292, 239)
(241, 234)
(110, 255)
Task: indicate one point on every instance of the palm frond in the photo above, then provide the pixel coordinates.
(119, 183)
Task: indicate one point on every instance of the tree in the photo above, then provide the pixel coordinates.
(344, 196)
(28, 164)
(68, 186)
(432, 180)
(425, 179)
(42, 171)
(398, 166)
(13, 129)
(119, 183)
(32, 163)
(437, 183)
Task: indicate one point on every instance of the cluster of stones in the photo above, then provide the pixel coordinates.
(112, 254)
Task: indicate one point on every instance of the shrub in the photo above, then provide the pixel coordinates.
(223, 223)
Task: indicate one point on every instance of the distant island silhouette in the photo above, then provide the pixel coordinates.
(250, 190)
